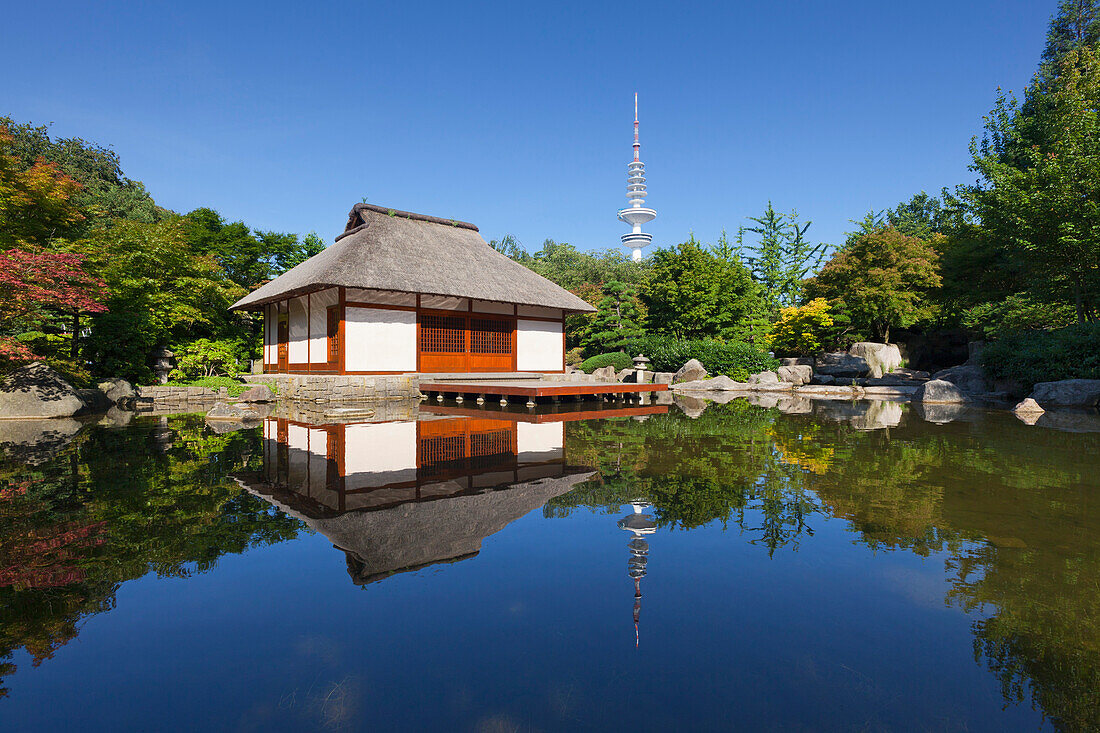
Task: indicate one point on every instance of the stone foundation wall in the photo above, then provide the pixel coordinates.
(340, 388)
(175, 397)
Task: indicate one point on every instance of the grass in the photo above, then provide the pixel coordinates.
(234, 386)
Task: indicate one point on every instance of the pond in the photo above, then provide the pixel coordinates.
(701, 566)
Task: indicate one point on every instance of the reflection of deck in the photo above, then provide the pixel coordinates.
(566, 412)
(534, 388)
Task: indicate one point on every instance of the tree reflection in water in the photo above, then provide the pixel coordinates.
(1013, 509)
(112, 506)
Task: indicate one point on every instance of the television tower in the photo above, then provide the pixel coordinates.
(636, 214)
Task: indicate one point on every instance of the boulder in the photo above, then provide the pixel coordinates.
(967, 377)
(797, 361)
(692, 371)
(259, 393)
(796, 374)
(764, 378)
(939, 391)
(234, 411)
(842, 364)
(1076, 393)
(36, 391)
(718, 384)
(605, 374)
(911, 374)
(94, 401)
(663, 378)
(623, 374)
(1028, 407)
(880, 358)
(118, 391)
(823, 379)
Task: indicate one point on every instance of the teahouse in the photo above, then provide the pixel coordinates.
(400, 293)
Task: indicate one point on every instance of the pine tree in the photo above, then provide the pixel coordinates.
(782, 257)
(617, 319)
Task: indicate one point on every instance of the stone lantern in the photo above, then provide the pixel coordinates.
(162, 364)
(640, 364)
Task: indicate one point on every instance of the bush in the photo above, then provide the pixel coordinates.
(617, 359)
(1045, 356)
(734, 359)
(1018, 313)
(573, 357)
(802, 330)
(206, 358)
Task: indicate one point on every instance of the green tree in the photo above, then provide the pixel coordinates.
(881, 280)
(693, 293)
(617, 321)
(1039, 191)
(781, 257)
(1075, 26)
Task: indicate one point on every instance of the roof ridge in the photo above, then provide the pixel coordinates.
(355, 220)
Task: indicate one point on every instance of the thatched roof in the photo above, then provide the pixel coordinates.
(386, 249)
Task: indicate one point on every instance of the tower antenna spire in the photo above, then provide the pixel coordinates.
(636, 214)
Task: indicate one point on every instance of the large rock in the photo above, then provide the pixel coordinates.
(36, 391)
(693, 371)
(797, 361)
(663, 378)
(797, 374)
(605, 374)
(234, 411)
(842, 364)
(259, 393)
(117, 390)
(967, 377)
(764, 378)
(1077, 393)
(718, 384)
(881, 358)
(1028, 407)
(939, 391)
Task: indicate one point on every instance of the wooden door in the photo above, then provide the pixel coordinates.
(462, 342)
(443, 343)
(284, 341)
(334, 334)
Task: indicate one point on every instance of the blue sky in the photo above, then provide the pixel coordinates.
(517, 116)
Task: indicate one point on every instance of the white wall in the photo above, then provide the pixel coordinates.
(540, 442)
(378, 340)
(270, 314)
(376, 454)
(539, 346)
(298, 350)
(318, 323)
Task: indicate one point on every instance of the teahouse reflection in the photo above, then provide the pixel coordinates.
(402, 495)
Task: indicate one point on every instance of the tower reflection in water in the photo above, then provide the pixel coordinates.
(402, 495)
(638, 524)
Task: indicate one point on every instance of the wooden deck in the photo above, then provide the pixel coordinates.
(534, 389)
(566, 412)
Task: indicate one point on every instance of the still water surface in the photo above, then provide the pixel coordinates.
(855, 567)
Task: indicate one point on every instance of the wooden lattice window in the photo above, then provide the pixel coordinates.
(490, 336)
(442, 334)
(333, 334)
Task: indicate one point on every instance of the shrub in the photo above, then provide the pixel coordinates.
(617, 359)
(802, 330)
(1018, 313)
(573, 357)
(734, 359)
(1045, 356)
(206, 358)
